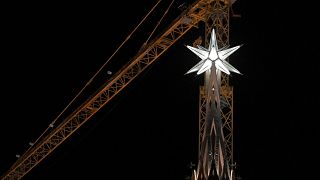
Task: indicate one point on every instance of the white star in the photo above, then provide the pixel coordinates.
(213, 55)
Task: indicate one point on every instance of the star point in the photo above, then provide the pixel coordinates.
(213, 55)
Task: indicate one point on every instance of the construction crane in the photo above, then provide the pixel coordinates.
(215, 151)
(214, 13)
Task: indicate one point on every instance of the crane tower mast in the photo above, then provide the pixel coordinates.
(210, 147)
(215, 13)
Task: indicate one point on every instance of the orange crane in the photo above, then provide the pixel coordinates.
(200, 11)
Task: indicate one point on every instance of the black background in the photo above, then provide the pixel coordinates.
(149, 130)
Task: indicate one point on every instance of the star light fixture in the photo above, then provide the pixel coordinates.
(213, 55)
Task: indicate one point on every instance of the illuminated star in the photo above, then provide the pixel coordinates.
(213, 55)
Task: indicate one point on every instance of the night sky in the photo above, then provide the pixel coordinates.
(149, 130)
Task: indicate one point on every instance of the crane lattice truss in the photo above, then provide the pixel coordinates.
(201, 10)
(216, 106)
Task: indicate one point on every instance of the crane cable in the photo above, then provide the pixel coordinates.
(145, 43)
(91, 79)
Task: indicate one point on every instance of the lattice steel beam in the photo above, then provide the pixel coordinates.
(195, 13)
(219, 20)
